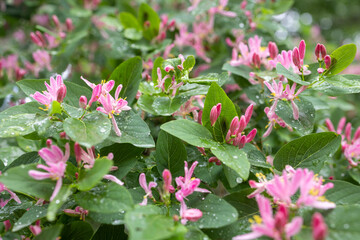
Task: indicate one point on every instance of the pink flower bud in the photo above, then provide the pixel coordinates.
(273, 50)
(202, 150)
(319, 227)
(48, 143)
(327, 61)
(234, 125)
(256, 61)
(36, 39)
(348, 131)
(317, 51)
(302, 48)
(192, 214)
(329, 125)
(19, 72)
(322, 51)
(168, 188)
(215, 113)
(242, 142)
(169, 68)
(110, 156)
(341, 125)
(357, 134)
(83, 102)
(61, 93)
(243, 4)
(56, 21)
(320, 70)
(215, 160)
(200, 117)
(251, 135)
(242, 124)
(63, 135)
(69, 24)
(248, 113)
(78, 152)
(296, 57)
(7, 225)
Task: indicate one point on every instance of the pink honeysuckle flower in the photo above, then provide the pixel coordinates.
(319, 227)
(12, 194)
(273, 119)
(186, 214)
(290, 95)
(167, 187)
(312, 190)
(274, 227)
(111, 107)
(88, 160)
(147, 188)
(160, 80)
(56, 91)
(78, 211)
(106, 87)
(56, 165)
(187, 184)
(263, 182)
(220, 9)
(42, 59)
(35, 229)
(277, 92)
(350, 146)
(215, 113)
(188, 108)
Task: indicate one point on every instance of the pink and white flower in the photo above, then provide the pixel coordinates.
(147, 188)
(56, 91)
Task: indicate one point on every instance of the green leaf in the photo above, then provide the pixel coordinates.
(214, 96)
(10, 154)
(125, 157)
(147, 14)
(241, 70)
(157, 64)
(245, 206)
(73, 90)
(338, 85)
(341, 58)
(170, 154)
(132, 34)
(281, 70)
(17, 125)
(307, 152)
(107, 218)
(147, 223)
(343, 223)
(58, 201)
(305, 124)
(189, 63)
(133, 130)
(50, 233)
(107, 198)
(220, 79)
(89, 178)
(17, 179)
(161, 106)
(190, 132)
(110, 232)
(33, 214)
(234, 158)
(216, 211)
(90, 130)
(128, 74)
(343, 193)
(74, 112)
(129, 21)
(78, 230)
(30, 108)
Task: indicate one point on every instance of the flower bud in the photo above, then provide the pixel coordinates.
(83, 102)
(169, 68)
(296, 57)
(302, 48)
(234, 125)
(256, 61)
(273, 50)
(69, 24)
(61, 93)
(248, 113)
(251, 135)
(78, 152)
(319, 227)
(327, 61)
(320, 70)
(192, 214)
(215, 113)
(56, 21)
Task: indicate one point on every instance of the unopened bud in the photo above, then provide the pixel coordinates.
(83, 102)
(215, 113)
(256, 60)
(302, 48)
(56, 21)
(63, 135)
(296, 57)
(319, 227)
(69, 24)
(273, 50)
(61, 93)
(327, 61)
(169, 68)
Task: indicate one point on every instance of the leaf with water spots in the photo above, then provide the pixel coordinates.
(92, 129)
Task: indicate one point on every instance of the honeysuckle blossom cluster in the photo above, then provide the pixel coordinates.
(273, 120)
(350, 146)
(186, 186)
(10, 66)
(55, 160)
(282, 189)
(190, 108)
(110, 106)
